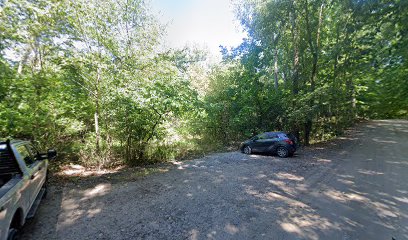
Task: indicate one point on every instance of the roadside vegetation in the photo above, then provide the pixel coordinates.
(93, 78)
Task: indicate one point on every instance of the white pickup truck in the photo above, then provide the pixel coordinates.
(23, 179)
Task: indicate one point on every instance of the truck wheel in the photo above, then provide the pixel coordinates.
(44, 196)
(12, 234)
(45, 186)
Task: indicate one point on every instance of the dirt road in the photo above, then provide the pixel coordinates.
(353, 188)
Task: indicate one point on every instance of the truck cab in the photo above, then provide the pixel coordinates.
(23, 178)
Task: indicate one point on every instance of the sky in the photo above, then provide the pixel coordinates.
(206, 23)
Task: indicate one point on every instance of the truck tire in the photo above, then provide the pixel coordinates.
(45, 186)
(12, 234)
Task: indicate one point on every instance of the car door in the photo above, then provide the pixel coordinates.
(261, 143)
(27, 188)
(269, 142)
(272, 143)
(38, 170)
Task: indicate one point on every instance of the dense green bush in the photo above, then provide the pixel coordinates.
(71, 78)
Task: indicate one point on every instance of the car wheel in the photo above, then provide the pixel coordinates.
(247, 150)
(44, 196)
(45, 187)
(282, 152)
(12, 234)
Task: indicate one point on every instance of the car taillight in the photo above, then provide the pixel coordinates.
(288, 141)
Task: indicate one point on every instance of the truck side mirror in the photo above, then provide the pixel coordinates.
(51, 154)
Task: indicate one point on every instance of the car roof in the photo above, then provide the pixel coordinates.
(273, 132)
(13, 141)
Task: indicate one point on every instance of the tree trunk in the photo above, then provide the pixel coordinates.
(23, 60)
(315, 53)
(295, 77)
(97, 111)
(351, 96)
(276, 67)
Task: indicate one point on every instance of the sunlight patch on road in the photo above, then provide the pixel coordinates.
(383, 141)
(370, 172)
(292, 228)
(231, 229)
(273, 196)
(76, 170)
(284, 175)
(345, 181)
(403, 199)
(283, 186)
(98, 190)
(193, 234)
(345, 197)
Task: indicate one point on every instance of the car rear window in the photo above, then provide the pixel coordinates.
(3, 151)
(7, 163)
(282, 135)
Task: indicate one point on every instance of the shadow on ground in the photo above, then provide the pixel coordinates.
(351, 188)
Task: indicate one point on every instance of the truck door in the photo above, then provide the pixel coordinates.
(37, 170)
(27, 189)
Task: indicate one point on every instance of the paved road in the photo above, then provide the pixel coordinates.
(352, 188)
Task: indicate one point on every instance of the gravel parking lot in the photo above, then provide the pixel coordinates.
(353, 188)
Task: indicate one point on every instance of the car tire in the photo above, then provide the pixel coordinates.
(282, 152)
(12, 234)
(44, 196)
(45, 187)
(247, 150)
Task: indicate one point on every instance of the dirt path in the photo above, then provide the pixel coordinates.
(353, 188)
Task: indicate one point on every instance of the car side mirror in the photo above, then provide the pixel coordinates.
(51, 154)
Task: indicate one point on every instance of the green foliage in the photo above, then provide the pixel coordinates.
(88, 79)
(92, 79)
(311, 67)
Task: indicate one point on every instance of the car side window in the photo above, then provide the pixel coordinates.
(263, 136)
(26, 155)
(272, 136)
(33, 151)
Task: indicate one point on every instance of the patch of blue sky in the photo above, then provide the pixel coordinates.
(204, 23)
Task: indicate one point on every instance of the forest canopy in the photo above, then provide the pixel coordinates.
(94, 79)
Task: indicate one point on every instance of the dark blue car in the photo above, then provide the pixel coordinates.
(279, 143)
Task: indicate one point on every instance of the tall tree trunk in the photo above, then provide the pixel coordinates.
(295, 77)
(350, 90)
(315, 53)
(275, 68)
(97, 111)
(24, 60)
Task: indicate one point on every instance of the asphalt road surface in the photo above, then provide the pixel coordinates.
(353, 188)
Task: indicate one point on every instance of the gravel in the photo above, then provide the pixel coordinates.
(230, 196)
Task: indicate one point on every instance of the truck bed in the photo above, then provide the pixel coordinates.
(9, 185)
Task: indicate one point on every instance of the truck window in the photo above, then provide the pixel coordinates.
(7, 163)
(33, 151)
(25, 154)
